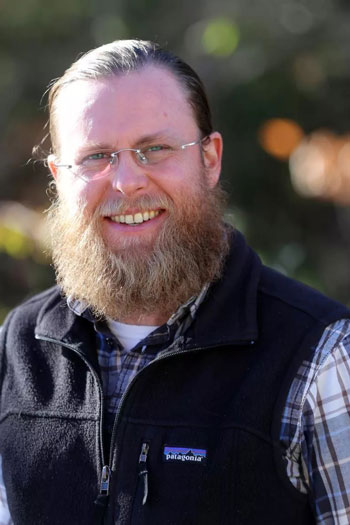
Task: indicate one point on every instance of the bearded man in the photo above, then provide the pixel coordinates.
(169, 377)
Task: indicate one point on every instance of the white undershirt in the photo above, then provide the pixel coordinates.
(129, 334)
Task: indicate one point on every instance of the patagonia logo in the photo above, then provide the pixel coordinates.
(185, 455)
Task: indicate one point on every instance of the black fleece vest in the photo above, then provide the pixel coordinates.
(196, 440)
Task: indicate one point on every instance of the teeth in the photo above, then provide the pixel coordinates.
(137, 218)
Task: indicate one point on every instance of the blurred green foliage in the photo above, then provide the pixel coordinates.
(259, 59)
(220, 37)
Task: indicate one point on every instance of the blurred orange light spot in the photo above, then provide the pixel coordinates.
(280, 137)
(320, 167)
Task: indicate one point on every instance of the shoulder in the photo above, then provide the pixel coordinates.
(26, 314)
(34, 303)
(299, 298)
(329, 366)
(327, 375)
(277, 294)
(18, 330)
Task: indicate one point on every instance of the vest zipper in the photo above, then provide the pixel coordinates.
(102, 498)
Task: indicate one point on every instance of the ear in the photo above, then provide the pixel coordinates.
(51, 164)
(212, 155)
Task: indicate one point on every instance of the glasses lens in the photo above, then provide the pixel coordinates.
(155, 154)
(96, 166)
(141, 157)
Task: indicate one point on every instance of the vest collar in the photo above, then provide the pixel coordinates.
(229, 312)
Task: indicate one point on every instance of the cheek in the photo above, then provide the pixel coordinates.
(177, 181)
(76, 195)
(188, 184)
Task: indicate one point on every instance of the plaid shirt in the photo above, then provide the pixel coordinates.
(119, 366)
(315, 428)
(315, 431)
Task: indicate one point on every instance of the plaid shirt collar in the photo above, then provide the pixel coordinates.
(175, 327)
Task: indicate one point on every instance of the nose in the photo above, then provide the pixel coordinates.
(128, 177)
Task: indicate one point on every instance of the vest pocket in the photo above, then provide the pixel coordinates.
(181, 476)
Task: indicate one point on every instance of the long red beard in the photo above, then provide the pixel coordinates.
(189, 252)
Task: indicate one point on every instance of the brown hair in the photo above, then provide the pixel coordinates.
(123, 56)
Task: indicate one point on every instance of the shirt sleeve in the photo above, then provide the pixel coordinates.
(316, 427)
(326, 430)
(5, 518)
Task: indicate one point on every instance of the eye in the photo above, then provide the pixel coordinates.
(156, 147)
(96, 157)
(95, 163)
(156, 153)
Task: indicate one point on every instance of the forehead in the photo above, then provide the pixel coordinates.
(121, 108)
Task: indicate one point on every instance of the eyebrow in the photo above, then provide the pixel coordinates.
(94, 145)
(159, 135)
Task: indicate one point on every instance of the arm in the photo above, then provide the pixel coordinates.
(5, 518)
(325, 427)
(316, 427)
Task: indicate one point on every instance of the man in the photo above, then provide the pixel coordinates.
(170, 377)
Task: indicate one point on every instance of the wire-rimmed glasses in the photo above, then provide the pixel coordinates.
(100, 164)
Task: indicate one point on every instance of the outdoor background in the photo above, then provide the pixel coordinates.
(278, 78)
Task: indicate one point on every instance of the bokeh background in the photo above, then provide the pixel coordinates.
(278, 77)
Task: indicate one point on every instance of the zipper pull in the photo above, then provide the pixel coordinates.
(105, 478)
(143, 470)
(144, 453)
(101, 501)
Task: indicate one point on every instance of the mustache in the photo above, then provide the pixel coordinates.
(143, 203)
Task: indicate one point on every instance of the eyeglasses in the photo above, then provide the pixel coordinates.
(98, 165)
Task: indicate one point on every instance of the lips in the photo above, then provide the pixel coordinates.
(136, 218)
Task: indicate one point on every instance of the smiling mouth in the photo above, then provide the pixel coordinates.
(136, 218)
